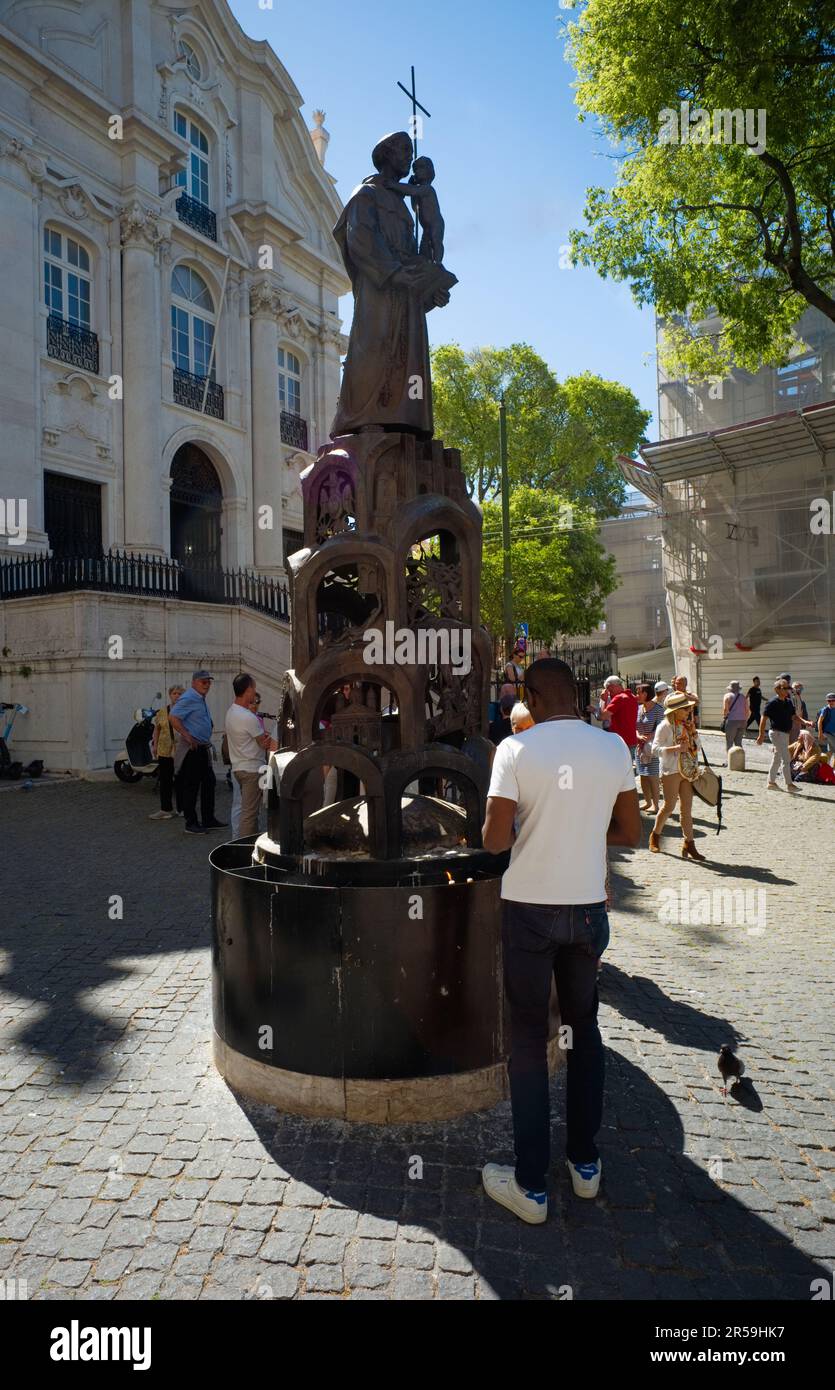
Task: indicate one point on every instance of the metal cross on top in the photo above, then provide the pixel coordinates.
(415, 104)
(415, 126)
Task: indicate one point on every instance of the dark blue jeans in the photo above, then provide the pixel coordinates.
(539, 943)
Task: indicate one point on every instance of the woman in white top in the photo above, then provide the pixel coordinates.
(676, 734)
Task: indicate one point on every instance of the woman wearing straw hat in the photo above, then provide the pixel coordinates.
(676, 735)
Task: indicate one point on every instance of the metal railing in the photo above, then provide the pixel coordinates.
(293, 430)
(69, 342)
(189, 390)
(196, 215)
(124, 572)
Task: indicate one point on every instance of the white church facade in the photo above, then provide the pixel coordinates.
(169, 358)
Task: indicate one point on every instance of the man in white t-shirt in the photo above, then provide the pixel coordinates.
(566, 790)
(248, 747)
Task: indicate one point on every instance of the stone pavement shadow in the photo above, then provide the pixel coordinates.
(662, 1227)
(641, 999)
(59, 942)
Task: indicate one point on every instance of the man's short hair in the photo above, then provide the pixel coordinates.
(506, 703)
(612, 680)
(551, 678)
(242, 683)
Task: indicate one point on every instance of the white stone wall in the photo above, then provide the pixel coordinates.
(81, 702)
(66, 72)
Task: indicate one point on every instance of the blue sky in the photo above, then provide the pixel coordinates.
(512, 162)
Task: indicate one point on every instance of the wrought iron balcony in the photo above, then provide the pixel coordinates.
(197, 215)
(293, 430)
(123, 572)
(68, 342)
(189, 390)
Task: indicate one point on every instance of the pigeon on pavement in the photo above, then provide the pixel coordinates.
(730, 1066)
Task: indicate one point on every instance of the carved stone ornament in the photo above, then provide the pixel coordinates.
(16, 149)
(74, 201)
(330, 333)
(141, 225)
(264, 299)
(336, 507)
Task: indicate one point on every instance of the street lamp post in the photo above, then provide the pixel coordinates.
(507, 578)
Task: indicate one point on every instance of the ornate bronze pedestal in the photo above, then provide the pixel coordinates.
(356, 945)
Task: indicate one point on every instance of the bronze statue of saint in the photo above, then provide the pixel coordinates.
(386, 381)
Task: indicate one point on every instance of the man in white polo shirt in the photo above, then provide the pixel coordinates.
(570, 790)
(248, 748)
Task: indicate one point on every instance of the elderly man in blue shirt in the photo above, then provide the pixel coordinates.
(192, 722)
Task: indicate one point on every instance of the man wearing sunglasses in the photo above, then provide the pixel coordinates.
(559, 792)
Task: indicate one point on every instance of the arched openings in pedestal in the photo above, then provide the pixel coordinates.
(349, 600)
(353, 710)
(434, 578)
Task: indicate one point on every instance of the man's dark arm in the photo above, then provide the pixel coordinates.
(625, 825)
(497, 831)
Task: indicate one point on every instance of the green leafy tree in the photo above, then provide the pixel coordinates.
(562, 436)
(561, 573)
(698, 222)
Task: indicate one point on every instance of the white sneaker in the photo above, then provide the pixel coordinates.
(772, 786)
(585, 1177)
(500, 1184)
(162, 815)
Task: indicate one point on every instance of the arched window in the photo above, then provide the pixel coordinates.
(66, 278)
(194, 179)
(192, 61)
(192, 322)
(289, 382)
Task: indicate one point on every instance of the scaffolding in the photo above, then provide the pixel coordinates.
(745, 560)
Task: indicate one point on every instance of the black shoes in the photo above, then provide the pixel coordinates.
(215, 824)
(194, 829)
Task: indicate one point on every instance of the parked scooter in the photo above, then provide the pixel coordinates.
(137, 761)
(9, 767)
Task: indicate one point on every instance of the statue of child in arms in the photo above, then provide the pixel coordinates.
(425, 202)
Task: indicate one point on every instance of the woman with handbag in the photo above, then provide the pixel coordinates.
(677, 744)
(650, 714)
(735, 715)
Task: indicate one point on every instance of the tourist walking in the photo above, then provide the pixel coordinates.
(780, 714)
(797, 688)
(650, 714)
(755, 699)
(162, 748)
(191, 720)
(248, 744)
(677, 744)
(571, 789)
(619, 709)
(735, 713)
(826, 723)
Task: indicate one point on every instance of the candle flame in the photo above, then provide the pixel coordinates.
(449, 875)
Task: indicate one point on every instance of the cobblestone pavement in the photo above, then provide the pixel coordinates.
(129, 1170)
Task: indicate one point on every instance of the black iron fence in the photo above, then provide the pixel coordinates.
(293, 430)
(196, 215)
(591, 663)
(69, 342)
(123, 572)
(190, 390)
